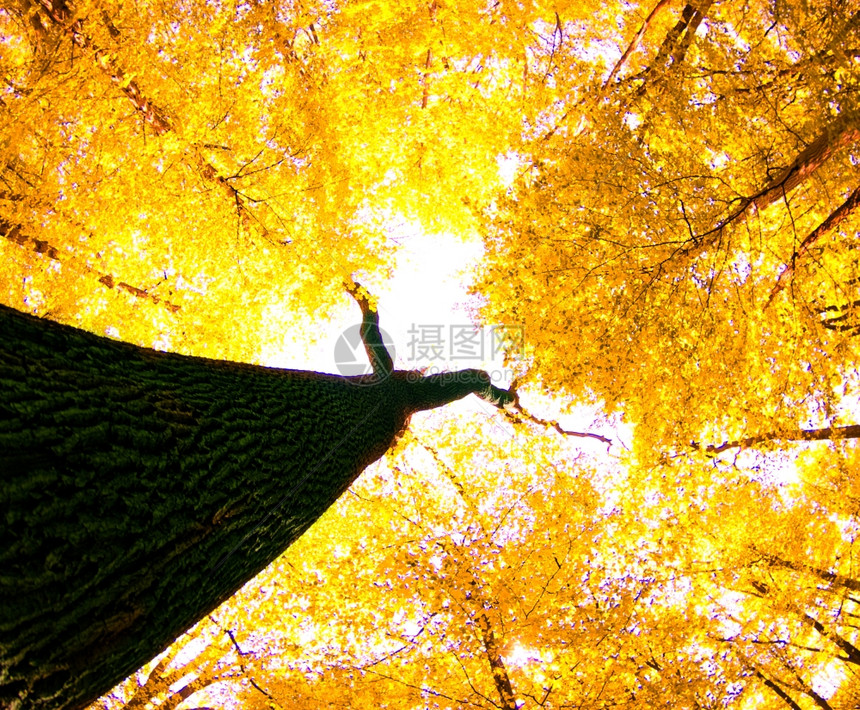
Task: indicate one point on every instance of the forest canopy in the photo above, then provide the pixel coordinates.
(666, 196)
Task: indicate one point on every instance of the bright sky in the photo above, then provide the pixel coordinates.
(425, 304)
(429, 288)
(426, 295)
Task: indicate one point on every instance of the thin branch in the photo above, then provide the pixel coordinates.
(635, 42)
(241, 654)
(60, 13)
(833, 579)
(518, 408)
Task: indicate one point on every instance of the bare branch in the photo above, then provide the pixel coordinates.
(241, 654)
(523, 414)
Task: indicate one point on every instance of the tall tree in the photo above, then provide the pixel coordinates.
(675, 231)
(141, 489)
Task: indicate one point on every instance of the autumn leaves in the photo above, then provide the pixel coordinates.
(679, 244)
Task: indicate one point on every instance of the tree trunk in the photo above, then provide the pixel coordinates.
(141, 489)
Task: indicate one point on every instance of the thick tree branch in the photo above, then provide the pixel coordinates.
(154, 684)
(841, 132)
(785, 697)
(850, 431)
(428, 391)
(13, 233)
(435, 390)
(833, 579)
(62, 15)
(835, 218)
(852, 653)
(377, 353)
(670, 43)
(690, 32)
(497, 664)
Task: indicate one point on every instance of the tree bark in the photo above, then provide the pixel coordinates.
(140, 489)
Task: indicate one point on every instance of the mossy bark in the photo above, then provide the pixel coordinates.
(139, 490)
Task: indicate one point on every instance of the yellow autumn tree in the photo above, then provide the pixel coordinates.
(677, 242)
(534, 580)
(159, 158)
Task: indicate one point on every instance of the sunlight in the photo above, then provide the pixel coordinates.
(520, 656)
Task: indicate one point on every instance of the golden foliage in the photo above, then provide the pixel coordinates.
(677, 236)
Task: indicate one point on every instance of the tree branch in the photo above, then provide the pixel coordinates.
(832, 221)
(635, 42)
(497, 663)
(241, 654)
(831, 578)
(785, 697)
(377, 353)
(523, 414)
(852, 653)
(432, 390)
(850, 431)
(690, 32)
(13, 233)
(62, 15)
(837, 134)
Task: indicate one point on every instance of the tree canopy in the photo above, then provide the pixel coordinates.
(666, 196)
